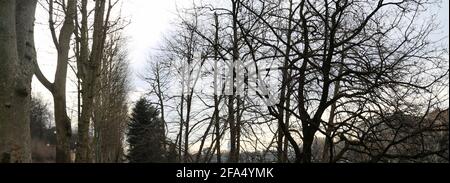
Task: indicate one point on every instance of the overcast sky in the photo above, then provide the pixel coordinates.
(149, 20)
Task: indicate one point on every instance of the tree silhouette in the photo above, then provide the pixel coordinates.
(146, 134)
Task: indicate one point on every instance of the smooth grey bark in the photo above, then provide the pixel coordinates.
(11, 149)
(58, 87)
(25, 17)
(16, 70)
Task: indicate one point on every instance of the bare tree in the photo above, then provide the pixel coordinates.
(346, 74)
(89, 61)
(58, 87)
(373, 60)
(158, 77)
(111, 110)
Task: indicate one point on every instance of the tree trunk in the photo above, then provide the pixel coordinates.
(17, 57)
(232, 158)
(92, 71)
(327, 154)
(58, 88)
(14, 135)
(231, 98)
(63, 123)
(8, 66)
(285, 157)
(285, 85)
(216, 92)
(63, 128)
(308, 138)
(180, 135)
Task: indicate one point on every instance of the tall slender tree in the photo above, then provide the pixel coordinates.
(58, 87)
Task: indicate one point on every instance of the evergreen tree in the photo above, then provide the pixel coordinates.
(145, 134)
(40, 118)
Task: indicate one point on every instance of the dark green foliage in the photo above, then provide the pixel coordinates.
(40, 118)
(145, 134)
(171, 153)
(42, 132)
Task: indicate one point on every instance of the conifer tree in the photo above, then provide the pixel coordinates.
(145, 134)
